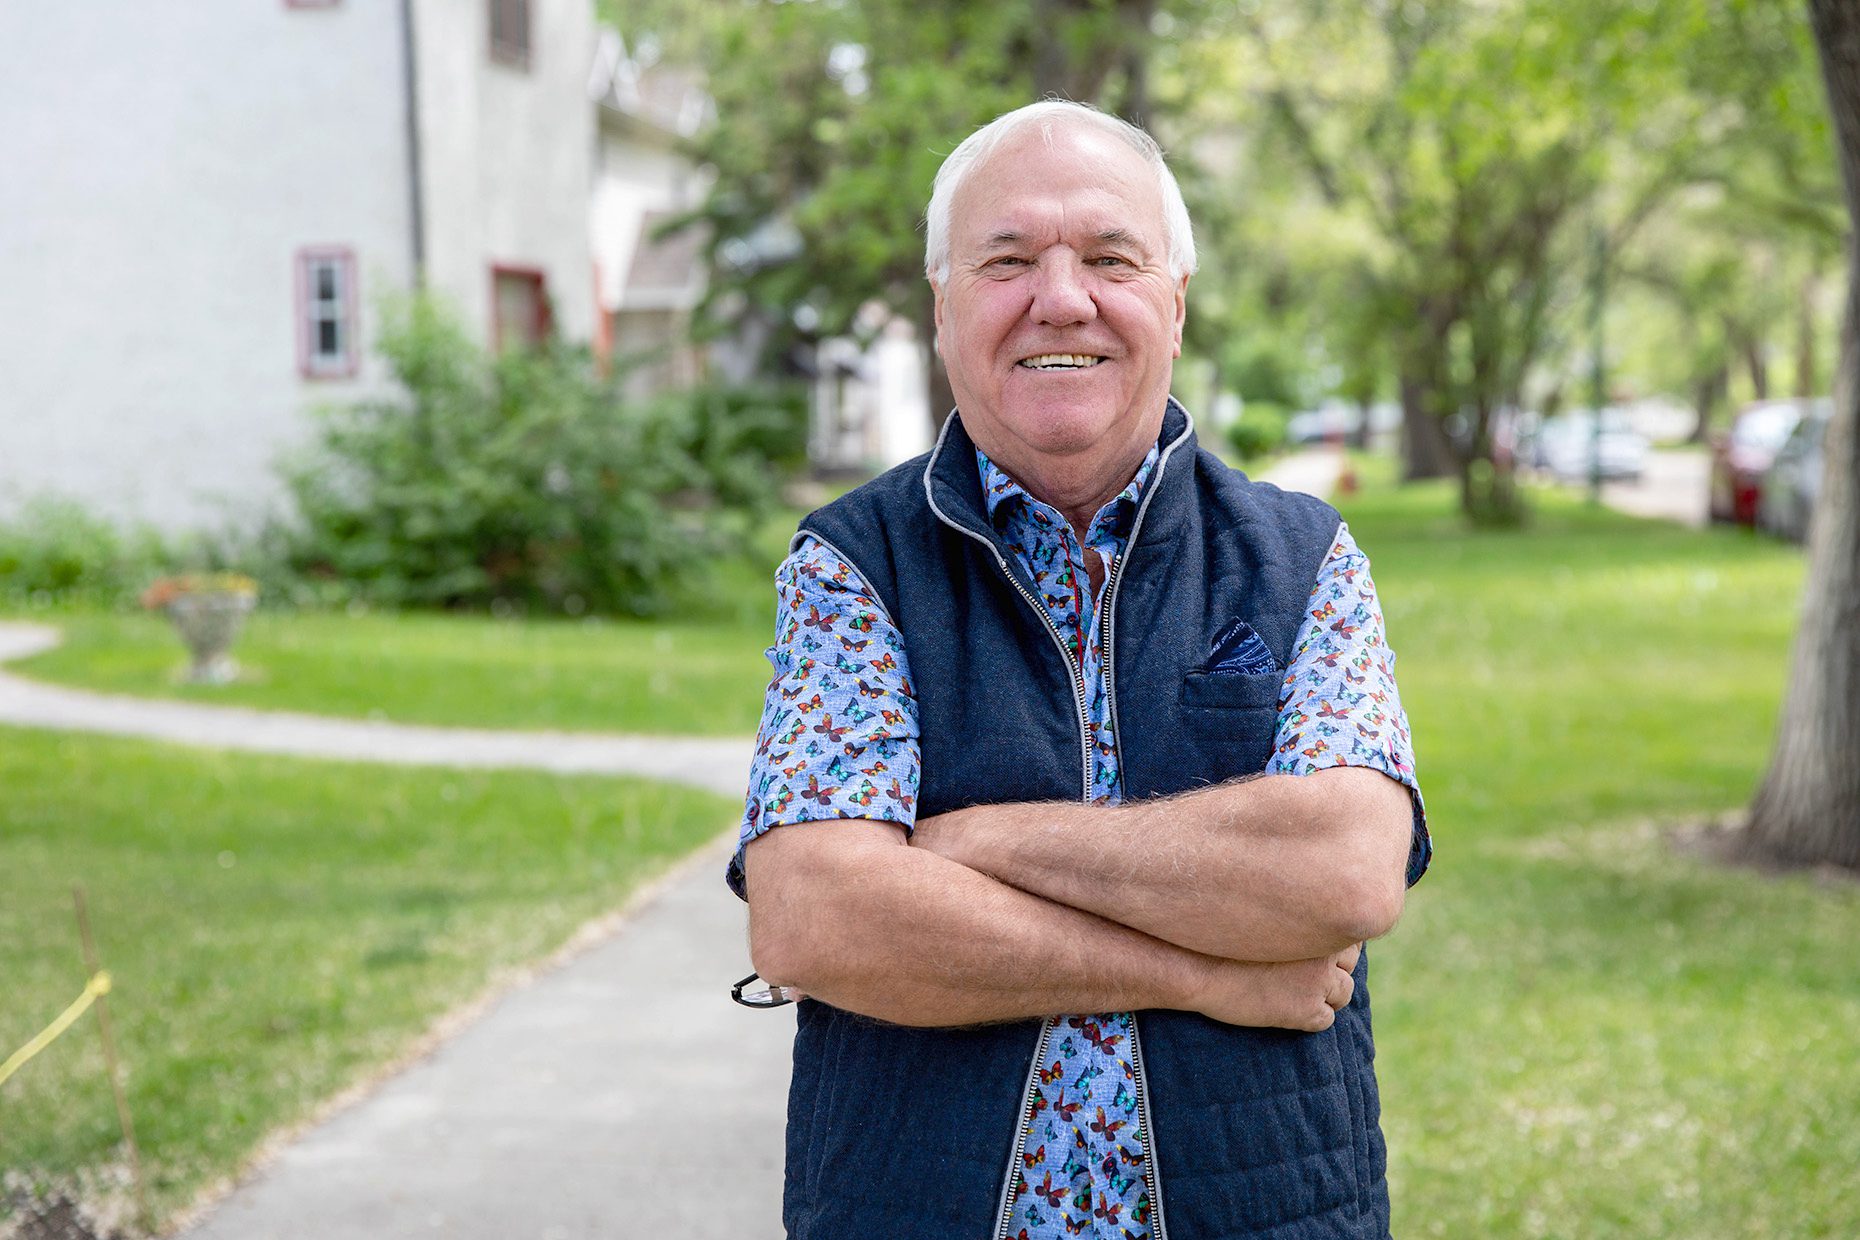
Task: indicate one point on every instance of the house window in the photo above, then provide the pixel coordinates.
(510, 32)
(521, 317)
(326, 313)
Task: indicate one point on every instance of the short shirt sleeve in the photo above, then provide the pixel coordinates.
(1339, 705)
(838, 737)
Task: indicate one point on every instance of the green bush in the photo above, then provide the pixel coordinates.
(742, 438)
(1259, 432)
(523, 481)
(56, 550)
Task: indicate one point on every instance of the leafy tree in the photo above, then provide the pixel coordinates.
(1741, 253)
(1724, 294)
(1469, 161)
(832, 120)
(1808, 807)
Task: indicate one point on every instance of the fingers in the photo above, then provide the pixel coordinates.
(1342, 986)
(1346, 959)
(1339, 988)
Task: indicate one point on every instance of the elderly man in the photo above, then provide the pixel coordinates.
(1088, 766)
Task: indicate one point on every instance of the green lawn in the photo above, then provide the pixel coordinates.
(276, 929)
(1582, 1033)
(698, 671)
(703, 677)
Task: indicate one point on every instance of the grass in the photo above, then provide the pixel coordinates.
(1582, 1032)
(698, 671)
(698, 678)
(276, 929)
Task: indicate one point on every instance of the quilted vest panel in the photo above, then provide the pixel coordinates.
(907, 1133)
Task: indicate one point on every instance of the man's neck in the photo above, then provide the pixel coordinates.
(1079, 500)
(1078, 487)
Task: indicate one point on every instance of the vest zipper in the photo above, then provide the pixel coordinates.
(1152, 1180)
(1107, 644)
(1005, 1210)
(1083, 710)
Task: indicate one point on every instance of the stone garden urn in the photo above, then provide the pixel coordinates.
(208, 612)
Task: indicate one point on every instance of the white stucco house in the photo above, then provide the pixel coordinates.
(647, 285)
(201, 203)
(869, 406)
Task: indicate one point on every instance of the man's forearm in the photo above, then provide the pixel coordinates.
(901, 934)
(1271, 869)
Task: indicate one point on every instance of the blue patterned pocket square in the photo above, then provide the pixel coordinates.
(1240, 649)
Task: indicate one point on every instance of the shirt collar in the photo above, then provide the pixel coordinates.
(998, 489)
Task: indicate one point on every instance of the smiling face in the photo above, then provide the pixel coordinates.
(1059, 322)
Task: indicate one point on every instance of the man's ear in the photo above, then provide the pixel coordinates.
(1181, 311)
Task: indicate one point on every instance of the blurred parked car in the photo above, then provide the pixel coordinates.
(1794, 478)
(1566, 446)
(1742, 456)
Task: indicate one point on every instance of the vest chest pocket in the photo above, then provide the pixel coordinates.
(1232, 690)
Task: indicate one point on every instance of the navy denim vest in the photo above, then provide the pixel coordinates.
(908, 1133)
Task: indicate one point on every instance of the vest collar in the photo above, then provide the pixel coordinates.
(953, 484)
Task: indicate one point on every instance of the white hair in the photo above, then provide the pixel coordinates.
(977, 146)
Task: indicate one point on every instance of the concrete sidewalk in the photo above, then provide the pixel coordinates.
(1676, 486)
(1312, 470)
(716, 765)
(622, 1095)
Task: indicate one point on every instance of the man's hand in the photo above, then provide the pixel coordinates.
(1297, 994)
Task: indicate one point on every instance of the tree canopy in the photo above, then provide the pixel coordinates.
(1408, 198)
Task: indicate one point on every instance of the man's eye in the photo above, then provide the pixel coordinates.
(1108, 260)
(1008, 260)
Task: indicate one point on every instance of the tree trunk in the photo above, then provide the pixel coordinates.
(1087, 41)
(1805, 384)
(1488, 482)
(1425, 452)
(1707, 394)
(1807, 810)
(1759, 369)
(1359, 434)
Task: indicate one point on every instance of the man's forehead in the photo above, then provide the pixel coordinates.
(1077, 183)
(1058, 228)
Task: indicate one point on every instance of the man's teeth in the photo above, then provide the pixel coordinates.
(1061, 361)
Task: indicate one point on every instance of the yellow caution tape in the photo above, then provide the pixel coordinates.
(99, 984)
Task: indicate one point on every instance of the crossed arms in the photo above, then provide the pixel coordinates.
(1245, 901)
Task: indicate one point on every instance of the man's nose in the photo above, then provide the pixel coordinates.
(1060, 295)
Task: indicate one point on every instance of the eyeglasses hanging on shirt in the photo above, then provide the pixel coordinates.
(763, 996)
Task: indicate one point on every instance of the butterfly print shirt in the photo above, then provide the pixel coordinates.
(839, 740)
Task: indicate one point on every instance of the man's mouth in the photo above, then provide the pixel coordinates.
(1060, 361)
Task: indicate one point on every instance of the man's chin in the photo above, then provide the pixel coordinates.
(1068, 428)
(1062, 428)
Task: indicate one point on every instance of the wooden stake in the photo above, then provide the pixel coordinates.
(109, 1058)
